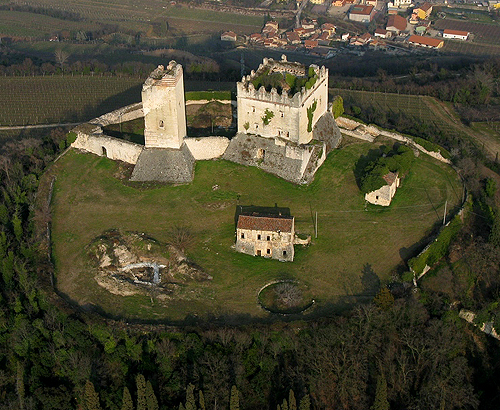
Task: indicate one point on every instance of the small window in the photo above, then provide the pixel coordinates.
(253, 109)
(242, 236)
(284, 253)
(269, 251)
(376, 197)
(258, 237)
(282, 114)
(268, 238)
(104, 152)
(161, 123)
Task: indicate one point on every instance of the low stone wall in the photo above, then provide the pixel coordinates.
(486, 327)
(113, 148)
(369, 132)
(124, 114)
(207, 147)
(193, 102)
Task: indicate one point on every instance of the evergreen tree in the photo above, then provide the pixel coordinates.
(90, 397)
(381, 402)
(141, 392)
(234, 401)
(190, 401)
(127, 403)
(284, 405)
(201, 400)
(181, 406)
(305, 403)
(20, 384)
(292, 402)
(151, 399)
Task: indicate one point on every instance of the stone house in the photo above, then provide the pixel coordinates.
(228, 36)
(383, 196)
(396, 24)
(362, 13)
(267, 236)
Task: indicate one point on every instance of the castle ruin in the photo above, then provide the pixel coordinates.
(284, 126)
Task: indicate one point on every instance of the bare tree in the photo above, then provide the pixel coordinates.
(61, 57)
(288, 294)
(181, 237)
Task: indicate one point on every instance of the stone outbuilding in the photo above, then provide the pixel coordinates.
(383, 196)
(267, 236)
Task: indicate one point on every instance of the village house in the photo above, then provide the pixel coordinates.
(228, 36)
(328, 28)
(423, 11)
(293, 37)
(380, 32)
(396, 24)
(339, 3)
(428, 42)
(270, 236)
(383, 196)
(362, 13)
(456, 34)
(402, 3)
(371, 3)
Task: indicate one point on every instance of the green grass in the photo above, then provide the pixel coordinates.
(208, 95)
(213, 16)
(88, 200)
(53, 99)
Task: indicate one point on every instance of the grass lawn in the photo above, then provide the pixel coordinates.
(355, 245)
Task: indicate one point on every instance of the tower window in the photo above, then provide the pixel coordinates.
(258, 237)
(242, 236)
(268, 238)
(269, 251)
(161, 123)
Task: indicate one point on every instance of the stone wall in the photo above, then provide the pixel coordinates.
(207, 147)
(124, 114)
(110, 147)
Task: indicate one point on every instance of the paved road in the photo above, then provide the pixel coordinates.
(32, 127)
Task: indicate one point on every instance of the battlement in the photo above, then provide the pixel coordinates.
(281, 91)
(162, 76)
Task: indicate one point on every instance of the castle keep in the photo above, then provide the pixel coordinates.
(291, 111)
(284, 126)
(164, 107)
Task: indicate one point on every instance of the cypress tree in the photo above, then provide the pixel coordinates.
(201, 400)
(141, 392)
(284, 405)
(90, 397)
(127, 403)
(181, 406)
(151, 399)
(234, 401)
(305, 403)
(381, 402)
(292, 402)
(190, 401)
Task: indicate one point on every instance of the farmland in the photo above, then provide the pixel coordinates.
(422, 109)
(53, 99)
(484, 33)
(469, 48)
(353, 242)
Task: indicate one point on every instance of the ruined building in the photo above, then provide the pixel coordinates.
(284, 126)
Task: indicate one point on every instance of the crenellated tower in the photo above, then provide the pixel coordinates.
(298, 97)
(164, 107)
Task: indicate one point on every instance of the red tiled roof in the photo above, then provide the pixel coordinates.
(380, 31)
(397, 22)
(292, 36)
(266, 223)
(424, 7)
(426, 41)
(390, 178)
(363, 10)
(456, 32)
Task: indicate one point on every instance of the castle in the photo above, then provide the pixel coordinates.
(284, 126)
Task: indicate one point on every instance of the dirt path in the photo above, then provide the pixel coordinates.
(490, 145)
(32, 127)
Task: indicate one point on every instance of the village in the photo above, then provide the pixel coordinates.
(398, 27)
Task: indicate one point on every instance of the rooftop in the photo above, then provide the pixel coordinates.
(425, 41)
(456, 32)
(266, 223)
(361, 9)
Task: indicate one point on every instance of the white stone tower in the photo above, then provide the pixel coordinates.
(164, 107)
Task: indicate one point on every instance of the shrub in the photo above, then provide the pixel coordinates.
(337, 106)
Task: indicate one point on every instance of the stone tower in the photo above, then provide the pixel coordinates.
(164, 107)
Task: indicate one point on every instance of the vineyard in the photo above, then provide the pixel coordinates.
(54, 99)
(462, 47)
(421, 109)
(16, 23)
(486, 33)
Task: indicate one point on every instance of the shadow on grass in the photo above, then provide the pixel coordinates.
(273, 211)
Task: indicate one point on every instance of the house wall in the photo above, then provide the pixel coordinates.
(362, 18)
(290, 120)
(207, 147)
(277, 243)
(164, 109)
(383, 196)
(454, 36)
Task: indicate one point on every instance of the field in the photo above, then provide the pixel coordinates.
(356, 247)
(484, 33)
(54, 99)
(468, 48)
(422, 108)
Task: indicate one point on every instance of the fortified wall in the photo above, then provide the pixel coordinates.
(290, 119)
(292, 143)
